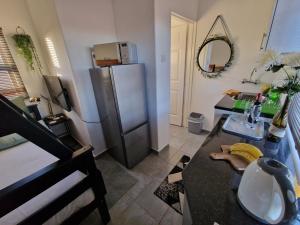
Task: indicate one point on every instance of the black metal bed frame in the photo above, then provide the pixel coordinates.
(14, 120)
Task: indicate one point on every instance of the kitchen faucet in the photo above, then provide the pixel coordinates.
(250, 81)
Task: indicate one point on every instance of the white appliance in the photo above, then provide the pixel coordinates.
(266, 192)
(114, 54)
(120, 93)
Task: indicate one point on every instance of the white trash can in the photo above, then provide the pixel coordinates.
(195, 123)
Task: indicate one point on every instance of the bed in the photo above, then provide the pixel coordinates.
(41, 180)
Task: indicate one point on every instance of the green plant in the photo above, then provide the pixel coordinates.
(290, 85)
(25, 47)
(289, 64)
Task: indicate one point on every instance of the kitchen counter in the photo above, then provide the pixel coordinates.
(211, 185)
(227, 102)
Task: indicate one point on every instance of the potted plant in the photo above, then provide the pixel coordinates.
(288, 64)
(26, 48)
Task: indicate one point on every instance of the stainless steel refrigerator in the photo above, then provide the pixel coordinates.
(120, 93)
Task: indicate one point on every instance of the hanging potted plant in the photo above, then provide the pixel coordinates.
(26, 48)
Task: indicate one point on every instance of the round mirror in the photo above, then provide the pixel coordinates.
(215, 55)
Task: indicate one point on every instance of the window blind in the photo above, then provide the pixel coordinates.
(294, 119)
(11, 84)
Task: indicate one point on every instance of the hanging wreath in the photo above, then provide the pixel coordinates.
(26, 48)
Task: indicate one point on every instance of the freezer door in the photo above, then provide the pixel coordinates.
(130, 94)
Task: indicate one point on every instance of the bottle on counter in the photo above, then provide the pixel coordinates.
(255, 110)
(279, 122)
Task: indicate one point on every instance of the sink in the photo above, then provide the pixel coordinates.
(245, 96)
(237, 125)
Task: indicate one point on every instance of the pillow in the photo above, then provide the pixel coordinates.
(11, 140)
(19, 101)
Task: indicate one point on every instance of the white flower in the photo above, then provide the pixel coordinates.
(268, 59)
(271, 58)
(291, 59)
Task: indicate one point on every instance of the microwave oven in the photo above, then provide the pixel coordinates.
(114, 54)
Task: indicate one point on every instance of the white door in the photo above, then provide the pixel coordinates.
(178, 55)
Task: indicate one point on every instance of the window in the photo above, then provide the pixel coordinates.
(285, 31)
(11, 84)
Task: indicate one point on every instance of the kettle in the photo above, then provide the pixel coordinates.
(266, 192)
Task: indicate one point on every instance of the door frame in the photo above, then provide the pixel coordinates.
(189, 66)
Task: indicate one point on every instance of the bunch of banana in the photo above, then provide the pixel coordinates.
(246, 151)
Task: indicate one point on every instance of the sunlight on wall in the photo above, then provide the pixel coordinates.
(52, 52)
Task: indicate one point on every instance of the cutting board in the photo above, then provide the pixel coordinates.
(237, 162)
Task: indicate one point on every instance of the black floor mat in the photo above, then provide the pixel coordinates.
(173, 193)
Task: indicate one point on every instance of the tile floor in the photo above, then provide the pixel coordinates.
(139, 206)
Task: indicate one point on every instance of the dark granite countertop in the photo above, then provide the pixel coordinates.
(227, 102)
(211, 185)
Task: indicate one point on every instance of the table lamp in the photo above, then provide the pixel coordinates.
(51, 115)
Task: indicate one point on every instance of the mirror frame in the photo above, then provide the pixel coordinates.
(215, 38)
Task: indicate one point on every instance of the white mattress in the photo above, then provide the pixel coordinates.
(23, 160)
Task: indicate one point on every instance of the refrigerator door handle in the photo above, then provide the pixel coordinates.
(143, 124)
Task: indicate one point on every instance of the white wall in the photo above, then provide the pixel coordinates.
(74, 27)
(144, 22)
(134, 22)
(85, 23)
(147, 23)
(46, 24)
(285, 33)
(247, 21)
(14, 13)
(163, 9)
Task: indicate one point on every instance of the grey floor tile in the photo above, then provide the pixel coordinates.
(120, 207)
(193, 144)
(177, 142)
(199, 139)
(129, 198)
(135, 191)
(151, 203)
(153, 166)
(171, 217)
(105, 163)
(117, 179)
(167, 153)
(133, 215)
(189, 149)
(139, 205)
(93, 219)
(177, 131)
(175, 159)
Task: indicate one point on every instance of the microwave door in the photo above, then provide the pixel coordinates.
(107, 54)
